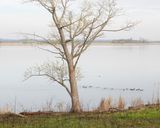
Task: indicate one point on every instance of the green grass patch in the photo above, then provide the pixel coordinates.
(144, 118)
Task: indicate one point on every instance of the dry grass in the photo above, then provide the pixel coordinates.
(6, 109)
(105, 104)
(121, 103)
(137, 103)
(156, 98)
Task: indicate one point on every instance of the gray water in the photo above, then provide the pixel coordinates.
(108, 70)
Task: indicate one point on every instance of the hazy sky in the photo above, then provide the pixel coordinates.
(16, 17)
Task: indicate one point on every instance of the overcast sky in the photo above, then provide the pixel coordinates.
(17, 17)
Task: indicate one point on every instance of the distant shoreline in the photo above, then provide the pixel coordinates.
(93, 44)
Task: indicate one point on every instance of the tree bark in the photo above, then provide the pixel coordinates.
(76, 107)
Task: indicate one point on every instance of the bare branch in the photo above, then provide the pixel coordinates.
(125, 28)
(43, 39)
(64, 5)
(47, 41)
(54, 71)
(49, 51)
(52, 78)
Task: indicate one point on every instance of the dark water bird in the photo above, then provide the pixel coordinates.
(141, 90)
(84, 86)
(132, 89)
(138, 89)
(112, 88)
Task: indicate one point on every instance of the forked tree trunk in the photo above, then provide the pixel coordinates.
(72, 75)
(76, 107)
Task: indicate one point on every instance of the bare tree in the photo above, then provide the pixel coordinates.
(74, 31)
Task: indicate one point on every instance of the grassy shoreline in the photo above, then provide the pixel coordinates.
(148, 117)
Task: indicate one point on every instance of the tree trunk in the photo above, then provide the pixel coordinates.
(76, 107)
(72, 75)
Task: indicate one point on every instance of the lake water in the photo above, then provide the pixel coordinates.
(108, 70)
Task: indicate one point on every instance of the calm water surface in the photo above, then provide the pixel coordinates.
(107, 70)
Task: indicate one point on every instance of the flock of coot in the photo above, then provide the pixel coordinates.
(120, 89)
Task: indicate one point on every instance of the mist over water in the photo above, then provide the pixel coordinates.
(108, 70)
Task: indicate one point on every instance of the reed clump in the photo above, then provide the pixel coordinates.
(121, 103)
(105, 104)
(6, 109)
